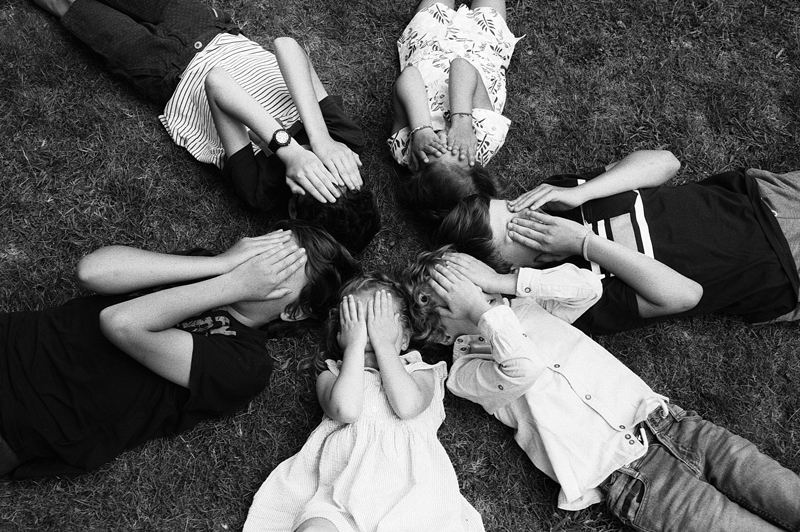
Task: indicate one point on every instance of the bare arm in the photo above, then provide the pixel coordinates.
(232, 108)
(123, 269)
(342, 396)
(640, 169)
(466, 93)
(409, 394)
(411, 109)
(307, 91)
(660, 290)
(142, 327)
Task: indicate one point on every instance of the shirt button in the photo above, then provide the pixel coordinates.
(527, 290)
(622, 427)
(588, 396)
(630, 442)
(374, 408)
(556, 365)
(628, 436)
(462, 348)
(460, 340)
(481, 339)
(500, 386)
(198, 45)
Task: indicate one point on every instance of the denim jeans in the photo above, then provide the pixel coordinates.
(697, 476)
(147, 42)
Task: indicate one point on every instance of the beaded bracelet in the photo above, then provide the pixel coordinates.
(462, 114)
(585, 247)
(419, 128)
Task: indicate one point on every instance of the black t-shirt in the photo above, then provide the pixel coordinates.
(70, 400)
(717, 232)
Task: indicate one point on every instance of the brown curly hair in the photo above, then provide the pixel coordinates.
(426, 325)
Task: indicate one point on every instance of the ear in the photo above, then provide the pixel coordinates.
(300, 315)
(405, 340)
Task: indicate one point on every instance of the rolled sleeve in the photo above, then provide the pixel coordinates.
(565, 291)
(498, 375)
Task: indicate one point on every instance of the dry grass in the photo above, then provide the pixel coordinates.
(85, 163)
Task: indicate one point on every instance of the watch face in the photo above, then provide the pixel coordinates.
(282, 137)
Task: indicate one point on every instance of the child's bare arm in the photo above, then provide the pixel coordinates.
(411, 110)
(232, 108)
(342, 396)
(467, 92)
(307, 91)
(142, 327)
(640, 169)
(409, 394)
(660, 290)
(123, 269)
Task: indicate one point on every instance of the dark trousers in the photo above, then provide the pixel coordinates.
(147, 42)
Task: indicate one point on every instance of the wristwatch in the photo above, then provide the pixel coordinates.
(280, 139)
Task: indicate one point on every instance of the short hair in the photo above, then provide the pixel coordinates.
(468, 229)
(435, 189)
(328, 266)
(375, 281)
(353, 219)
(426, 324)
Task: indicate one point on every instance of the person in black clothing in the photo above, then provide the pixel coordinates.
(728, 244)
(82, 382)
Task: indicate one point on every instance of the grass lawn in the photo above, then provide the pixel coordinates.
(85, 163)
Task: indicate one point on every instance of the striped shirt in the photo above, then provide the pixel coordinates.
(187, 116)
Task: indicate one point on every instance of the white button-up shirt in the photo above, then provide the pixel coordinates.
(573, 405)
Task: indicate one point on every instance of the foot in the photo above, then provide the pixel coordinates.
(54, 7)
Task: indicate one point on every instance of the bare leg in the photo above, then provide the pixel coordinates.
(498, 5)
(425, 4)
(54, 7)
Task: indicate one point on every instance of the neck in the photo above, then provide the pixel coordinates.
(251, 313)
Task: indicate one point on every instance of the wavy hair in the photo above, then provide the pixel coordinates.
(363, 283)
(328, 266)
(468, 229)
(353, 219)
(426, 324)
(435, 189)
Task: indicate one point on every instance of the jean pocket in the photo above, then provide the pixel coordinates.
(626, 494)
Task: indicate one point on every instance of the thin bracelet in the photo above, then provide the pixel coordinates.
(585, 250)
(462, 114)
(419, 128)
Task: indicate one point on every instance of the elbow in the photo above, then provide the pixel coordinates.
(409, 411)
(346, 414)
(690, 296)
(284, 44)
(93, 272)
(117, 326)
(669, 164)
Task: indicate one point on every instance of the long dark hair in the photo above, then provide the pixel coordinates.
(328, 266)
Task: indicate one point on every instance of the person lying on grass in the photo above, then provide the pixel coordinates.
(736, 234)
(448, 101)
(81, 382)
(581, 416)
(374, 462)
(222, 90)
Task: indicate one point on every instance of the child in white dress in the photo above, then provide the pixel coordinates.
(448, 101)
(374, 463)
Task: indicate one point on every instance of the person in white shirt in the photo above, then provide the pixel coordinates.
(582, 416)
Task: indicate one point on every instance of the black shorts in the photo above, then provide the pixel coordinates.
(260, 179)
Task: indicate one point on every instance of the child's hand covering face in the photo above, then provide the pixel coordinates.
(383, 324)
(464, 299)
(352, 324)
(479, 273)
